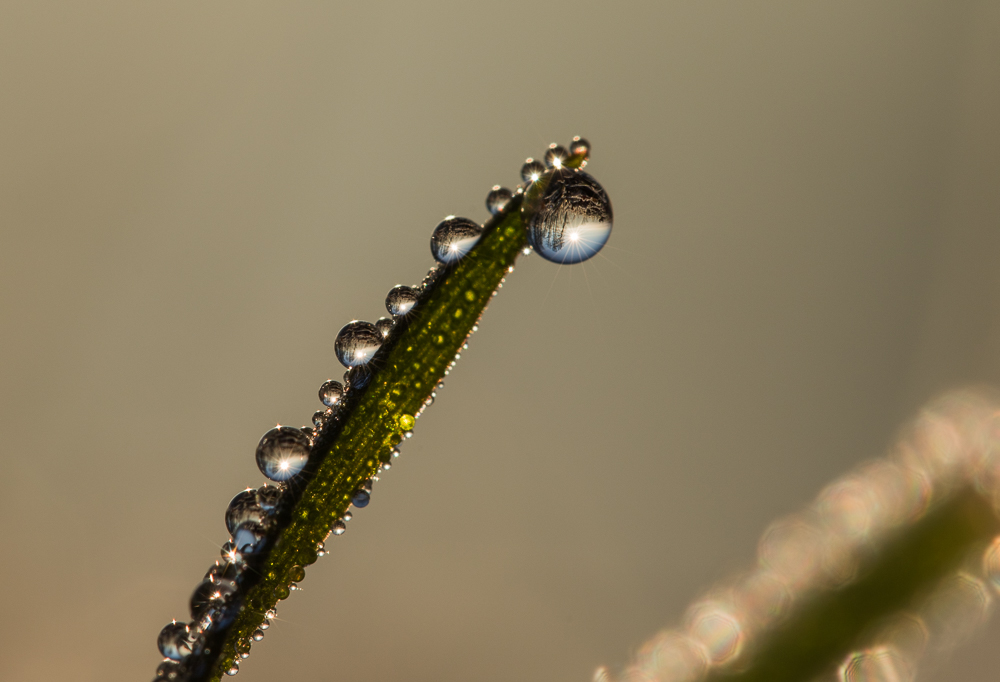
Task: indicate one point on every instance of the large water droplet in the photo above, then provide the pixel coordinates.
(532, 170)
(357, 342)
(330, 392)
(556, 156)
(497, 199)
(282, 453)
(453, 238)
(401, 299)
(176, 641)
(568, 215)
(243, 507)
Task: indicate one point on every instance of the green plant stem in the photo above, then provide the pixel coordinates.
(824, 631)
(370, 423)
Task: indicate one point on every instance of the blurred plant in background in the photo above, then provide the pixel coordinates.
(892, 564)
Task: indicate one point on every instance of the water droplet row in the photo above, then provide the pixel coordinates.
(283, 452)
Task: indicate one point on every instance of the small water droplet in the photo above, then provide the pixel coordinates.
(526, 251)
(406, 422)
(395, 452)
(384, 325)
(497, 199)
(319, 418)
(580, 147)
(532, 170)
(244, 655)
(358, 377)
(268, 497)
(568, 215)
(234, 669)
(339, 527)
(330, 393)
(258, 635)
(176, 641)
(386, 466)
(357, 342)
(296, 574)
(281, 592)
(266, 624)
(271, 614)
(211, 598)
(321, 550)
(230, 555)
(556, 156)
(282, 453)
(347, 515)
(361, 498)
(243, 507)
(409, 434)
(401, 299)
(453, 238)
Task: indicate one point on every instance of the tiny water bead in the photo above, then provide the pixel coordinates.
(556, 156)
(532, 170)
(282, 453)
(568, 215)
(331, 392)
(175, 641)
(580, 147)
(347, 516)
(357, 342)
(243, 507)
(401, 299)
(319, 418)
(258, 635)
(234, 669)
(497, 199)
(384, 325)
(453, 238)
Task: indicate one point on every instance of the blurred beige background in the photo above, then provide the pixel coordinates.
(196, 196)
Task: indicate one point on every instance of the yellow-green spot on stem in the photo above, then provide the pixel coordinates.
(458, 313)
(406, 422)
(470, 295)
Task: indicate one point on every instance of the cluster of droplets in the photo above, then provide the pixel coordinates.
(562, 199)
(953, 445)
